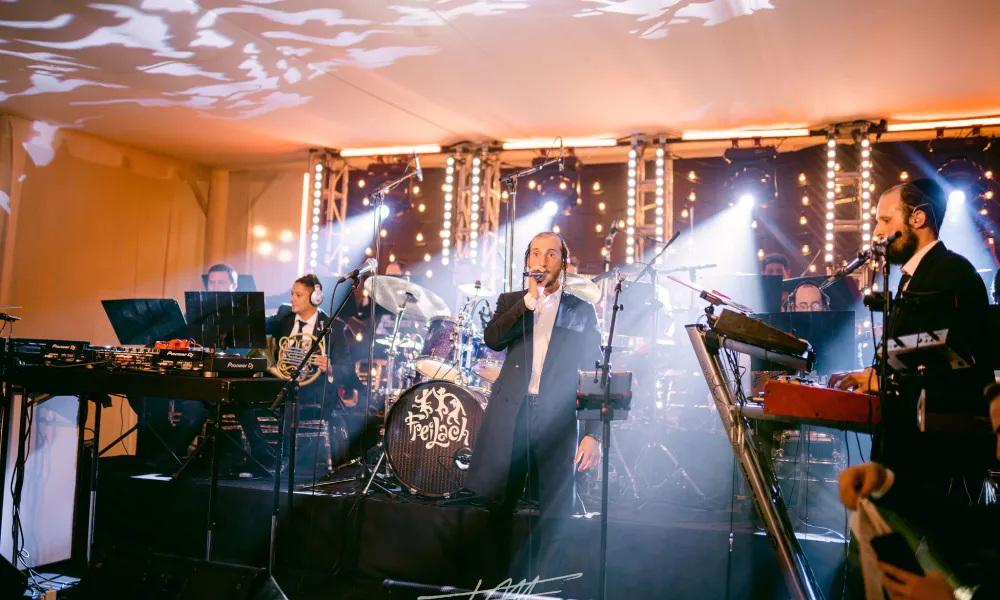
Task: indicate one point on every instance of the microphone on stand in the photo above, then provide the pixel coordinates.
(612, 232)
(416, 161)
(562, 159)
(366, 267)
(862, 258)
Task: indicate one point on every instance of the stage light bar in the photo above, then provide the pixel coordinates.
(630, 249)
(390, 150)
(540, 144)
(306, 187)
(448, 205)
(866, 195)
(474, 208)
(660, 189)
(744, 134)
(831, 196)
(948, 124)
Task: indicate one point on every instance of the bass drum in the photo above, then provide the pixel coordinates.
(429, 435)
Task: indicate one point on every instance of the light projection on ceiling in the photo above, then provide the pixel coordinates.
(669, 13)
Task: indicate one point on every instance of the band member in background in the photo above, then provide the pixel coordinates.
(939, 289)
(530, 427)
(776, 264)
(222, 278)
(321, 398)
(968, 536)
(806, 298)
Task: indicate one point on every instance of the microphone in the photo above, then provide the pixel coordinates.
(612, 232)
(9, 318)
(861, 259)
(539, 277)
(416, 161)
(366, 267)
(562, 159)
(888, 239)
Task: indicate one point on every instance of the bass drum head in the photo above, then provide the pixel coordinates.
(429, 435)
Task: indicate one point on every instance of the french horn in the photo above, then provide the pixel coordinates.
(291, 350)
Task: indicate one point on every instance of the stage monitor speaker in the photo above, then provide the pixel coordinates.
(13, 583)
(138, 576)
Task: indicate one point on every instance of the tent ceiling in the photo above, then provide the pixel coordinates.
(241, 83)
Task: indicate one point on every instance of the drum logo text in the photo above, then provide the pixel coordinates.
(438, 418)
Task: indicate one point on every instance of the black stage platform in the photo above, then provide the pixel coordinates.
(343, 546)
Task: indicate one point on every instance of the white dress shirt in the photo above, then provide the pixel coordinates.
(545, 311)
(911, 265)
(310, 326)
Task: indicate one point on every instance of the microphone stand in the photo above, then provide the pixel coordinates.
(376, 199)
(287, 396)
(607, 414)
(511, 183)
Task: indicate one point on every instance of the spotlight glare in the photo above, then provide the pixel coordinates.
(550, 208)
(746, 201)
(383, 211)
(956, 197)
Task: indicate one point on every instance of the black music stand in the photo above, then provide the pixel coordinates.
(830, 333)
(144, 321)
(226, 319)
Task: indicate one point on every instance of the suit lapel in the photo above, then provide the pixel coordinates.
(565, 317)
(922, 275)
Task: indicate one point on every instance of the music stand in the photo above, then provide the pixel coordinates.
(830, 333)
(143, 321)
(226, 319)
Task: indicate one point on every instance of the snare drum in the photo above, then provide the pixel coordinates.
(437, 359)
(429, 435)
(487, 362)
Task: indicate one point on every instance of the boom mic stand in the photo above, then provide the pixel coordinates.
(511, 183)
(288, 395)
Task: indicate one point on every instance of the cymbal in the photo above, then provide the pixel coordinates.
(391, 291)
(402, 343)
(469, 289)
(583, 288)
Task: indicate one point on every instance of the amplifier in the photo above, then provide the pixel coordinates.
(44, 352)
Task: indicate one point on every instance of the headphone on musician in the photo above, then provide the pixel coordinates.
(564, 252)
(790, 304)
(316, 297)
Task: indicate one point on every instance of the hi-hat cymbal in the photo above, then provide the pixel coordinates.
(469, 289)
(391, 291)
(583, 288)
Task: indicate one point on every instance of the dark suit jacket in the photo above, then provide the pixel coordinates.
(574, 346)
(337, 343)
(945, 292)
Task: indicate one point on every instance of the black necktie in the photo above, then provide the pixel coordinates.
(302, 326)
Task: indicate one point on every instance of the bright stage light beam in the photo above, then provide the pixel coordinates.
(550, 208)
(956, 198)
(384, 210)
(746, 201)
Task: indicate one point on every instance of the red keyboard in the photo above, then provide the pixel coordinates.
(796, 400)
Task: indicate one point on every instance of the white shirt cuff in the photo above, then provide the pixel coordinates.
(890, 478)
(530, 301)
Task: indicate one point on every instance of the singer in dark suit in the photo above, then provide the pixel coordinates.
(939, 289)
(530, 428)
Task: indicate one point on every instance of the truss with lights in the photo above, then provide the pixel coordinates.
(849, 207)
(322, 235)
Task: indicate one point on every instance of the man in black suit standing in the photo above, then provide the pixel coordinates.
(939, 289)
(530, 427)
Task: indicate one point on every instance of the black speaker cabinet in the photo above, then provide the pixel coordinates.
(125, 576)
(12, 582)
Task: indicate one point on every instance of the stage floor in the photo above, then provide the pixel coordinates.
(342, 545)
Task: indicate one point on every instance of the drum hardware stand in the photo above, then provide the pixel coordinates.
(288, 396)
(511, 183)
(327, 480)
